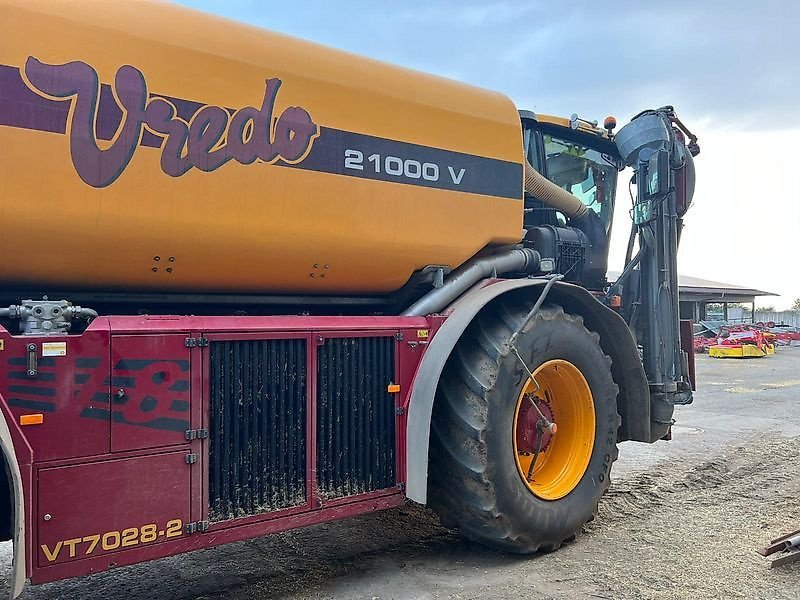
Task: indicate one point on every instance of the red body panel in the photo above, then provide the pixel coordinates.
(110, 477)
(83, 522)
(150, 391)
(65, 388)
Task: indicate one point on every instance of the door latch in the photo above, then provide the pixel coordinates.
(33, 367)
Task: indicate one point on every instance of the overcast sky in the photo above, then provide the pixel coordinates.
(730, 68)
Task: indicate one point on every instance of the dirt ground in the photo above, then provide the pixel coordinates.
(682, 520)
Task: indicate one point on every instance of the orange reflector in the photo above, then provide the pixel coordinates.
(393, 388)
(616, 301)
(36, 419)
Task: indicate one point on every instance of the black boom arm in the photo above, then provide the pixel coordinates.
(664, 175)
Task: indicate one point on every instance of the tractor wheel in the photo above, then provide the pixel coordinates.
(496, 472)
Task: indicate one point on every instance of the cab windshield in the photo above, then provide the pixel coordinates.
(586, 173)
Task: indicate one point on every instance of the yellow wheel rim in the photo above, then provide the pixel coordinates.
(562, 395)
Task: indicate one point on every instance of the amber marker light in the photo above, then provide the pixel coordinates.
(36, 419)
(393, 388)
(609, 123)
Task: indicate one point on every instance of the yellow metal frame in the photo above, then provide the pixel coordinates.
(743, 351)
(583, 126)
(561, 466)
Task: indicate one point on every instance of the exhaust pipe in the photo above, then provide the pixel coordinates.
(518, 260)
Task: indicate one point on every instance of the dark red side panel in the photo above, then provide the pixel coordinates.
(69, 385)
(112, 430)
(150, 391)
(103, 508)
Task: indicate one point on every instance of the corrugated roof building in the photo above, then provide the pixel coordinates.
(703, 299)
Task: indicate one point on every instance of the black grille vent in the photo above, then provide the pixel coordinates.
(570, 261)
(355, 416)
(257, 457)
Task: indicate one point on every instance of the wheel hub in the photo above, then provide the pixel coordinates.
(563, 397)
(531, 436)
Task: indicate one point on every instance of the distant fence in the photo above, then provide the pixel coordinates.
(787, 317)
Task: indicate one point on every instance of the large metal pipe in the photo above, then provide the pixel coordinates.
(538, 186)
(517, 260)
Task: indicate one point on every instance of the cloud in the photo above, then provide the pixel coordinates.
(733, 62)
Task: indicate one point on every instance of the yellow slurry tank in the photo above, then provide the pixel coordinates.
(165, 149)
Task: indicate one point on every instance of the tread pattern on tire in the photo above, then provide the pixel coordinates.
(460, 480)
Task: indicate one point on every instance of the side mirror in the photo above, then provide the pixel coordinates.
(657, 173)
(653, 175)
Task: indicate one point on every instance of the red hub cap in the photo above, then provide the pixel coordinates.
(527, 433)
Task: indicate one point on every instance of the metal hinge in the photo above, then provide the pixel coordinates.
(399, 336)
(400, 410)
(191, 458)
(196, 434)
(197, 526)
(200, 342)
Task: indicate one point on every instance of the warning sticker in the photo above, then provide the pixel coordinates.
(54, 348)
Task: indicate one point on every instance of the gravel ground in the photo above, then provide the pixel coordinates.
(682, 519)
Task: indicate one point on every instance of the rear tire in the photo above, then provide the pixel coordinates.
(475, 479)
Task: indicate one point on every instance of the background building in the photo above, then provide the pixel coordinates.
(701, 300)
(705, 300)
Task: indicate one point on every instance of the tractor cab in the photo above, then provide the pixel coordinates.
(578, 157)
(581, 159)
